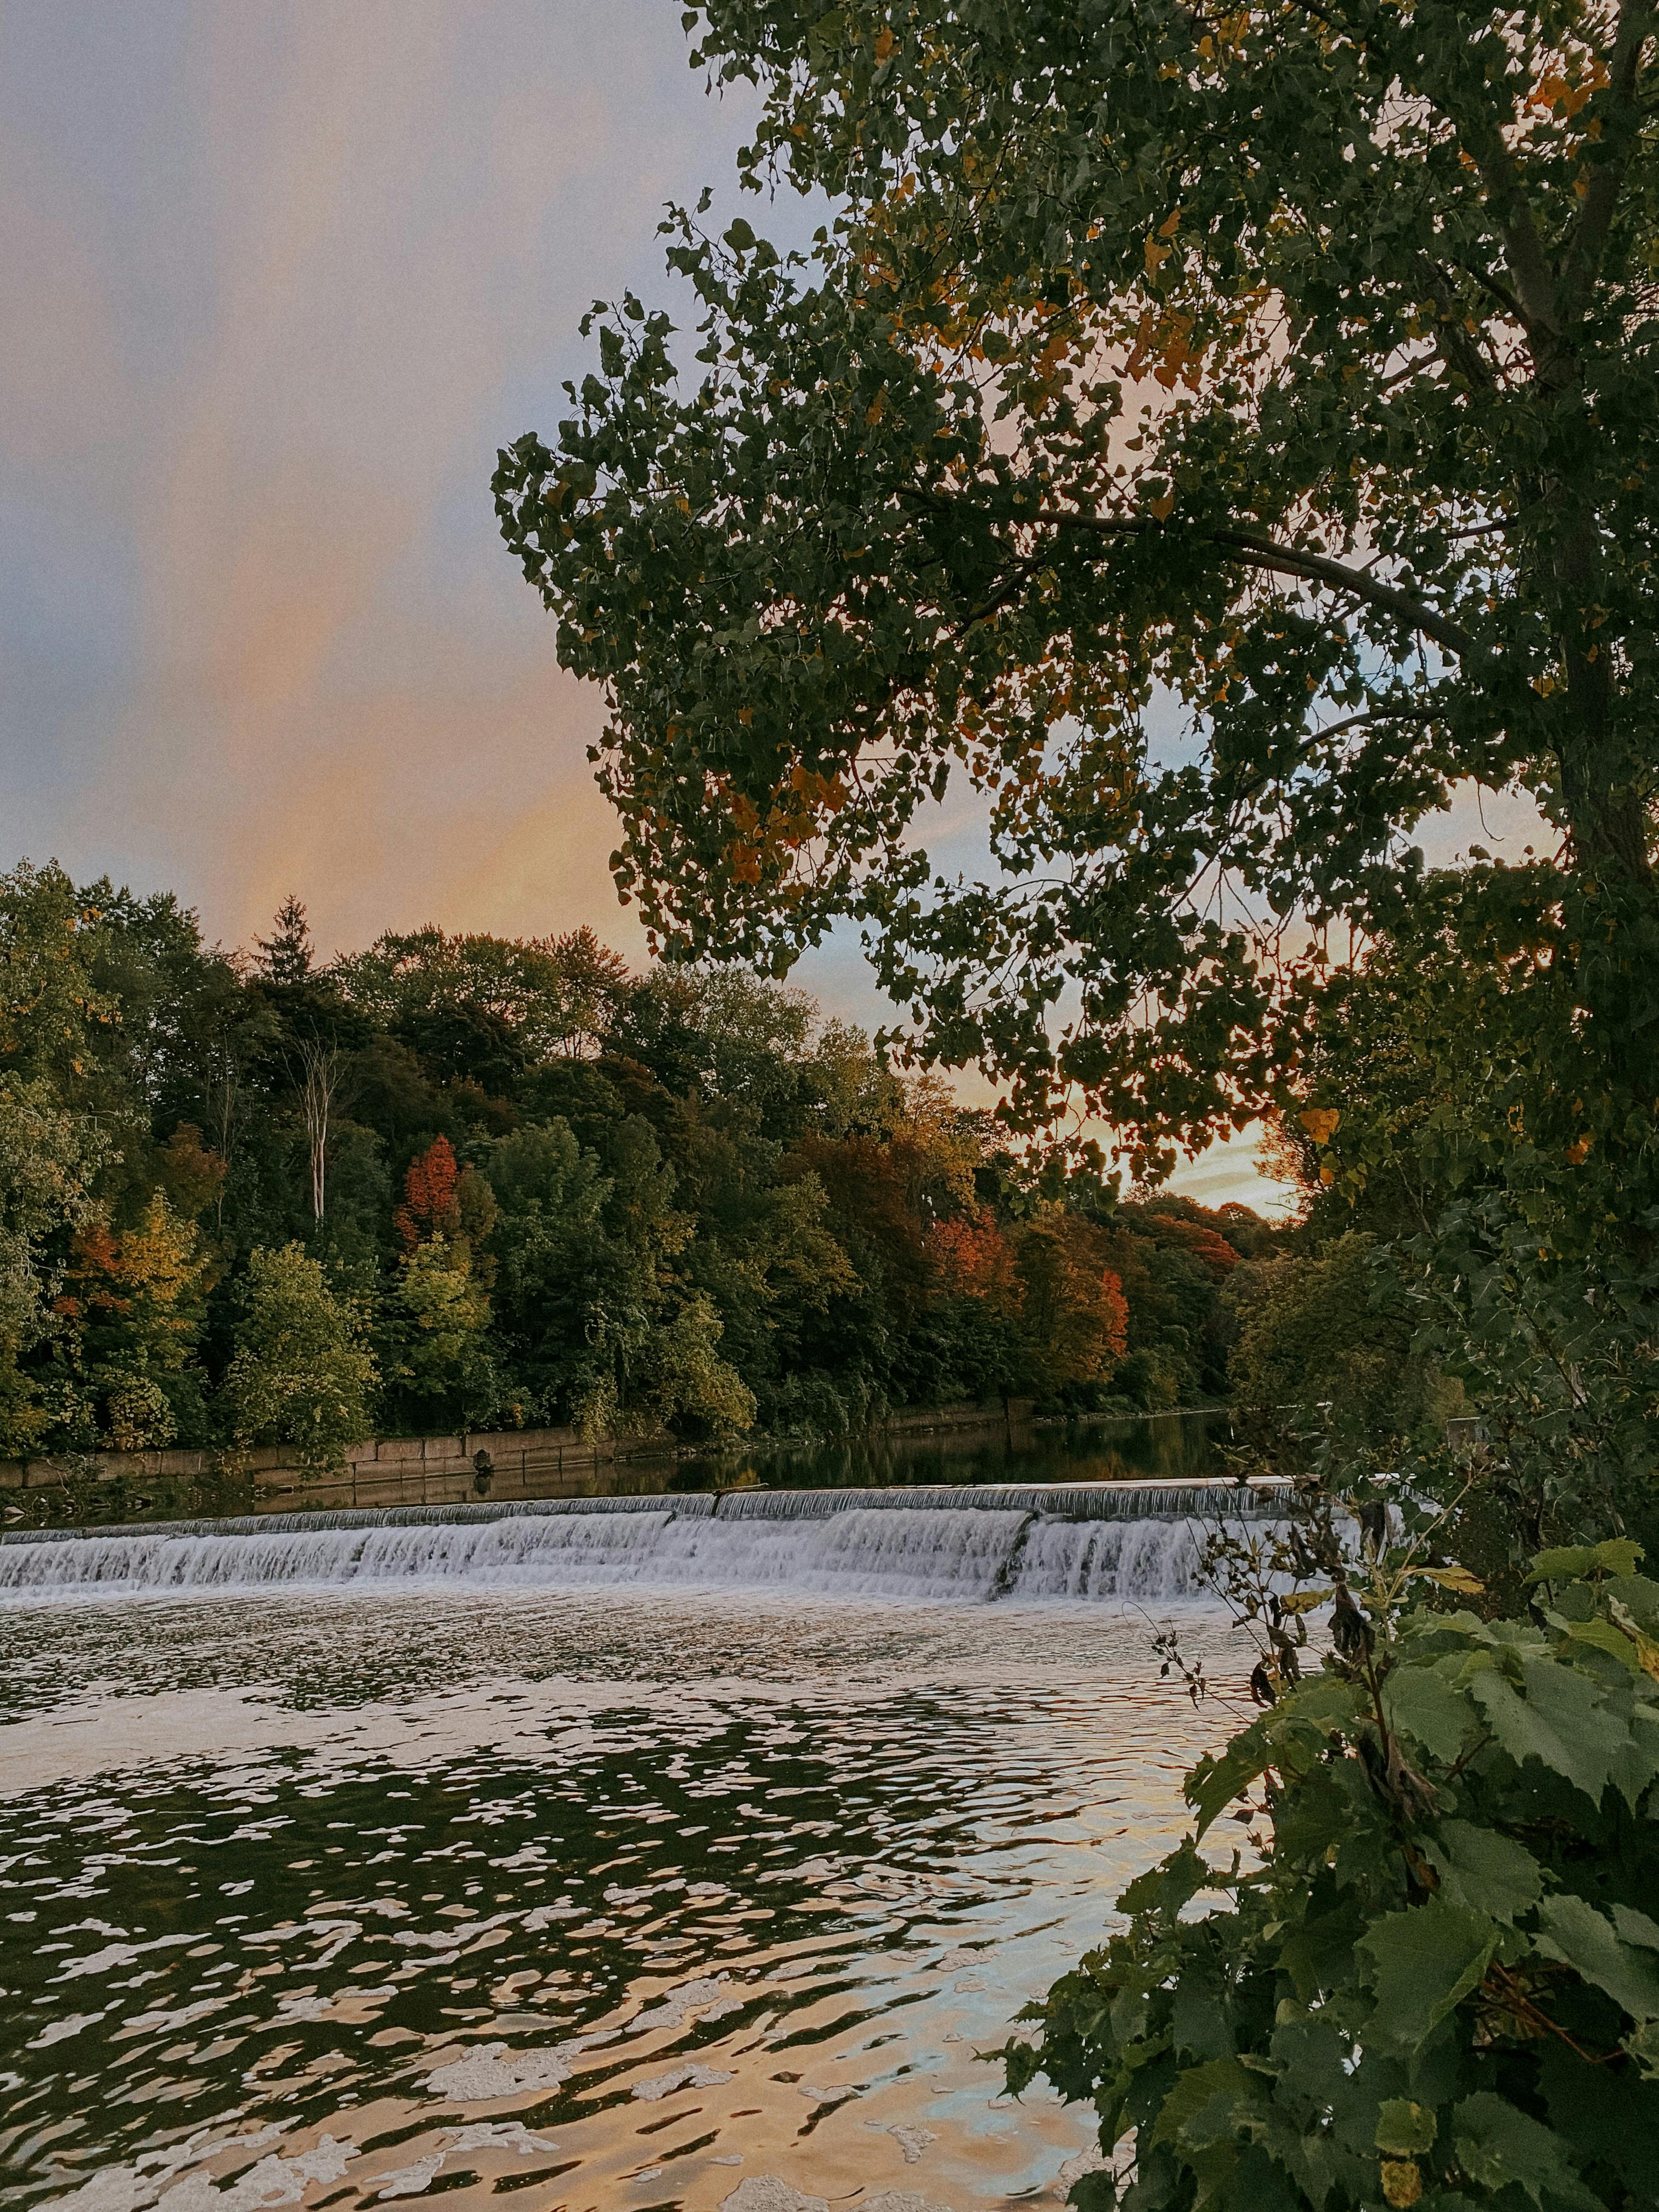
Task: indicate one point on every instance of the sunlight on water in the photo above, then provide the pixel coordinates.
(597, 1896)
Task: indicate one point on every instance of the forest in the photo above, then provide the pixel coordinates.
(466, 1181)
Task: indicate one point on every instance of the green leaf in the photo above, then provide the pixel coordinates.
(1636, 1928)
(1418, 1702)
(1645, 1647)
(1563, 1723)
(1599, 1635)
(1214, 1783)
(1405, 2129)
(1201, 2107)
(1497, 2144)
(1620, 1555)
(1488, 1872)
(826, 35)
(739, 235)
(1172, 1883)
(1427, 1960)
(1573, 1931)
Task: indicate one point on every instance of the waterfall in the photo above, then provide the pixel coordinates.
(1021, 1542)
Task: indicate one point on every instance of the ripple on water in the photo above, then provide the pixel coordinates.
(592, 1900)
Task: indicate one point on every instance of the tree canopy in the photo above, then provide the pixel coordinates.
(545, 1190)
(1209, 437)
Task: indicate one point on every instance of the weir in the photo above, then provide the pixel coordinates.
(1128, 1541)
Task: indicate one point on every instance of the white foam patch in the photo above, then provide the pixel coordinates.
(679, 2004)
(270, 2181)
(60, 2030)
(682, 2077)
(492, 2071)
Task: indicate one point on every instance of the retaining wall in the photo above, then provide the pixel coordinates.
(433, 1470)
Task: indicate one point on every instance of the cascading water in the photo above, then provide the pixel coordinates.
(1029, 1542)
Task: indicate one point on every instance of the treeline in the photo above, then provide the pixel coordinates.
(469, 1181)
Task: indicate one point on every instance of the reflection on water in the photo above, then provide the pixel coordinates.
(1155, 1447)
(597, 1899)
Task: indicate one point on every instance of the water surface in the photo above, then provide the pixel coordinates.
(598, 1897)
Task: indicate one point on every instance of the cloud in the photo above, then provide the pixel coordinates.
(372, 226)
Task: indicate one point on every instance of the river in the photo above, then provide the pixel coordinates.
(690, 1864)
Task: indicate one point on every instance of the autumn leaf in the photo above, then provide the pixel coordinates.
(1454, 1579)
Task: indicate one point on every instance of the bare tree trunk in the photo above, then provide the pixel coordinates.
(319, 1079)
(225, 1133)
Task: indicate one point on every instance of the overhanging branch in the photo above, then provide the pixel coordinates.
(1253, 552)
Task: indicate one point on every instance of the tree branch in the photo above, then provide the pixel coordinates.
(1403, 713)
(1582, 258)
(1266, 553)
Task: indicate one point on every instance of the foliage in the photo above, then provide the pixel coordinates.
(685, 1388)
(129, 1313)
(442, 1199)
(50, 1157)
(439, 1367)
(299, 1375)
(1207, 443)
(1437, 1113)
(1435, 1979)
(1073, 1322)
(482, 1009)
(680, 1204)
(1325, 1349)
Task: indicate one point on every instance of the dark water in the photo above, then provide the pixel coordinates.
(625, 1898)
(1156, 1447)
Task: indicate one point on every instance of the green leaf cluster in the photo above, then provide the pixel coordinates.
(1432, 1977)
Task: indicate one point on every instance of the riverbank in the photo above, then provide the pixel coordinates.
(916, 1444)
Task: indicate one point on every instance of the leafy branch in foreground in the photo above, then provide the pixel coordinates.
(1440, 1985)
(1200, 442)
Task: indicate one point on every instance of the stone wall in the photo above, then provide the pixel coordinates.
(385, 1471)
(432, 1470)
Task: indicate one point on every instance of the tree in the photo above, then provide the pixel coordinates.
(1074, 1318)
(299, 1375)
(438, 1364)
(52, 1010)
(561, 1279)
(681, 1385)
(318, 1029)
(486, 1009)
(1211, 441)
(50, 1159)
(443, 1198)
(1325, 1343)
(130, 1310)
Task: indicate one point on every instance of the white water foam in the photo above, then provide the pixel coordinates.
(961, 1553)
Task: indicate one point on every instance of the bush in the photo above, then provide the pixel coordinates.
(1440, 1985)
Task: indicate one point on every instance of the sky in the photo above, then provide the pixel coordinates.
(279, 279)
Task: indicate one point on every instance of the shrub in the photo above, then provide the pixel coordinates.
(1439, 1986)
